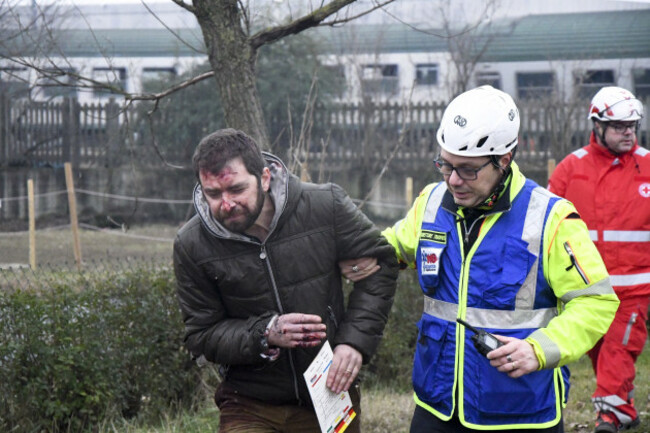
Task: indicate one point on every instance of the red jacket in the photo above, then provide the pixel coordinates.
(612, 195)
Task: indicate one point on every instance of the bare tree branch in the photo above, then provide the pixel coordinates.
(313, 19)
(245, 16)
(400, 142)
(170, 90)
(184, 5)
(170, 30)
(154, 140)
(378, 5)
(446, 35)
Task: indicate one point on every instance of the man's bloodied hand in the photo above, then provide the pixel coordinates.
(297, 330)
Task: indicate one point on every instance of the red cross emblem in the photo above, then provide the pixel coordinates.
(644, 190)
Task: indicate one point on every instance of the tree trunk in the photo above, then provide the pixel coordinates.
(233, 60)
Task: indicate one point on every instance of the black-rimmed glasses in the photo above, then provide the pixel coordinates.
(621, 127)
(465, 173)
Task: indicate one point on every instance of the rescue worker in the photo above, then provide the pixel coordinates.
(608, 181)
(502, 253)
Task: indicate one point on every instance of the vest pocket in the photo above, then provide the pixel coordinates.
(500, 396)
(514, 268)
(431, 370)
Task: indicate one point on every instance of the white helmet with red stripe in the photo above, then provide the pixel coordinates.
(615, 104)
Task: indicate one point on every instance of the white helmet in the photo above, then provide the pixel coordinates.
(615, 103)
(480, 122)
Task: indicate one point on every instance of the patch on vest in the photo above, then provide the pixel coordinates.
(437, 237)
(430, 260)
(644, 190)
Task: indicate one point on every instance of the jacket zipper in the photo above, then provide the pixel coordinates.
(574, 263)
(469, 231)
(332, 316)
(264, 256)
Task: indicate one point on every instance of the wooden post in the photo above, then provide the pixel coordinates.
(550, 166)
(72, 202)
(304, 172)
(409, 192)
(32, 223)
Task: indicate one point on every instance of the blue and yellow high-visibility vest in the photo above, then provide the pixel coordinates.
(514, 282)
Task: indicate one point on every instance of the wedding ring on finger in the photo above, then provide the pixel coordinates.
(348, 371)
(509, 358)
(514, 366)
(355, 268)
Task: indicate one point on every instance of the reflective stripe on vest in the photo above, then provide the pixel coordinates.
(621, 235)
(630, 279)
(523, 316)
(434, 202)
(532, 233)
(434, 198)
(484, 318)
(626, 236)
(580, 153)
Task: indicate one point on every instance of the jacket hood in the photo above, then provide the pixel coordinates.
(278, 192)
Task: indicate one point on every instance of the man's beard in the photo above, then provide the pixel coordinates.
(240, 226)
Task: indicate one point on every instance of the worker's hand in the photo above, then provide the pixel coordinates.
(297, 330)
(515, 358)
(358, 269)
(344, 369)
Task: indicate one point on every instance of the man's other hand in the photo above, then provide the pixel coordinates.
(358, 269)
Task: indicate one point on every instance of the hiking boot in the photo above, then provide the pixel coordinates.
(634, 423)
(606, 423)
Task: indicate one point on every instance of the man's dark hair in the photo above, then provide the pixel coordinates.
(216, 149)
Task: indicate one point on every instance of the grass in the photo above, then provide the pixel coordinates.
(55, 246)
(384, 410)
(387, 411)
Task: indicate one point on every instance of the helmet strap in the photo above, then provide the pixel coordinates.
(491, 199)
(601, 136)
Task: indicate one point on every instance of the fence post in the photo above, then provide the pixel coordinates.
(112, 132)
(550, 166)
(4, 136)
(66, 124)
(70, 124)
(32, 223)
(72, 202)
(409, 192)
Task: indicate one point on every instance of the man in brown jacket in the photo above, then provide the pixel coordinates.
(260, 289)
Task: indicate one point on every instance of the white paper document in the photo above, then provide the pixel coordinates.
(334, 411)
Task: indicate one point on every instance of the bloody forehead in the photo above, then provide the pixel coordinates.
(227, 172)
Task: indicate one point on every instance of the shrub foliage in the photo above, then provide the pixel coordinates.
(391, 365)
(85, 348)
(79, 349)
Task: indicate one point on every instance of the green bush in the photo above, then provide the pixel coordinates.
(90, 347)
(391, 365)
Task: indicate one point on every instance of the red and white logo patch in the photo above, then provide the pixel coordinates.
(430, 258)
(644, 190)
